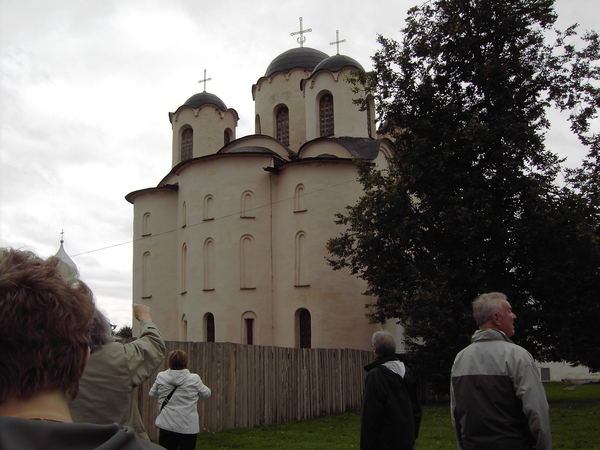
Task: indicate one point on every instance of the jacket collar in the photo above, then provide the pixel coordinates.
(490, 334)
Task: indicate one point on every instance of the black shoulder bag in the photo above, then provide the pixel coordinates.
(167, 399)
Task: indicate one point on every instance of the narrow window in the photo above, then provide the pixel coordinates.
(184, 215)
(187, 144)
(326, 115)
(257, 128)
(184, 328)
(304, 328)
(226, 136)
(246, 263)
(301, 260)
(209, 265)
(209, 326)
(183, 268)
(283, 125)
(146, 276)
(299, 199)
(208, 208)
(146, 225)
(249, 331)
(246, 206)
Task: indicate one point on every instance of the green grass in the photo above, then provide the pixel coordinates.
(574, 417)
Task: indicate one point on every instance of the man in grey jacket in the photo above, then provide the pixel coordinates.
(106, 390)
(497, 399)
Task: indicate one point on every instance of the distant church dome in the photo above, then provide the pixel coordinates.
(66, 267)
(336, 63)
(305, 57)
(203, 98)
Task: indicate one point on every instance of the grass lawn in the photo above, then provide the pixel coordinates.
(574, 417)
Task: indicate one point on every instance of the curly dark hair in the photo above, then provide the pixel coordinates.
(44, 326)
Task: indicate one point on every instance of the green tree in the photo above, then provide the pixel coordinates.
(470, 202)
(125, 332)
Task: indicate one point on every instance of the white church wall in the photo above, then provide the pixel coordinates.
(159, 242)
(333, 299)
(227, 178)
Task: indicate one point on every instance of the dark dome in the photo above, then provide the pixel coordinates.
(304, 57)
(196, 101)
(338, 62)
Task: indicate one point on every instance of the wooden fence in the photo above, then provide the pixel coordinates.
(254, 385)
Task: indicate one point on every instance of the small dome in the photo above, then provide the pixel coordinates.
(338, 62)
(66, 267)
(304, 57)
(196, 101)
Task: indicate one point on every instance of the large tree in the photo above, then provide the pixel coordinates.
(470, 202)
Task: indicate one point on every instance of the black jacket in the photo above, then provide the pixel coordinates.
(391, 410)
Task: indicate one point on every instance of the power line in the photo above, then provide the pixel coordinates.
(215, 219)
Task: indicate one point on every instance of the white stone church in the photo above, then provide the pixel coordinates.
(230, 245)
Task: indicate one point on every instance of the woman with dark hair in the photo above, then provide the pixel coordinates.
(178, 391)
(45, 324)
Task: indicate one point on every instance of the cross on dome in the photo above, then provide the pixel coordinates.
(204, 80)
(337, 41)
(302, 39)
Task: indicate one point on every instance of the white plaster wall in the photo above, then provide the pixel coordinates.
(161, 244)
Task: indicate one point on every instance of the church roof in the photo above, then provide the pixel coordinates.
(66, 267)
(304, 57)
(336, 63)
(202, 98)
(251, 149)
(362, 148)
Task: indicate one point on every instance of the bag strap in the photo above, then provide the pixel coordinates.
(168, 398)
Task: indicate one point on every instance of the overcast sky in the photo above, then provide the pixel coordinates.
(86, 91)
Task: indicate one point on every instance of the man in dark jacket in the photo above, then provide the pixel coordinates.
(391, 410)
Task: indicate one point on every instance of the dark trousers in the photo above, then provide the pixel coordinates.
(176, 441)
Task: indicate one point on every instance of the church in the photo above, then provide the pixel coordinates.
(230, 246)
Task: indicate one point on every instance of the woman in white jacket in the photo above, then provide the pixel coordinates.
(178, 417)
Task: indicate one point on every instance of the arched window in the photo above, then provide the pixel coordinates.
(183, 215)
(283, 125)
(248, 327)
(208, 208)
(326, 115)
(226, 136)
(146, 276)
(146, 225)
(301, 278)
(246, 206)
(209, 327)
(184, 328)
(303, 327)
(246, 263)
(209, 265)
(299, 203)
(257, 127)
(187, 144)
(183, 268)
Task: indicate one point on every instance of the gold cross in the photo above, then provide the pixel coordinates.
(302, 39)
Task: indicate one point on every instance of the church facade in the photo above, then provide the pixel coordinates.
(230, 245)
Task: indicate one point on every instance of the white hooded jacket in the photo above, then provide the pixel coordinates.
(180, 415)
